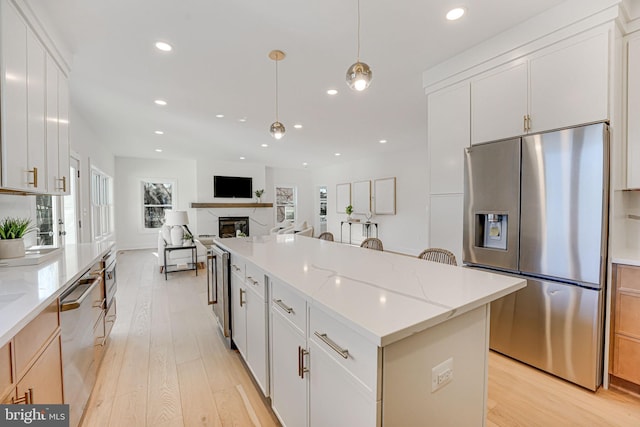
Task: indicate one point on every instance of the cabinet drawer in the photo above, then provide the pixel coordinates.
(359, 356)
(29, 341)
(255, 279)
(292, 306)
(5, 368)
(237, 268)
(628, 321)
(628, 277)
(626, 361)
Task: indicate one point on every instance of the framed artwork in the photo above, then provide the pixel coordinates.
(343, 197)
(384, 197)
(362, 197)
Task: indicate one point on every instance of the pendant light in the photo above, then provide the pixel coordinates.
(359, 75)
(277, 129)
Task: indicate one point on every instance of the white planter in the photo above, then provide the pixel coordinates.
(11, 248)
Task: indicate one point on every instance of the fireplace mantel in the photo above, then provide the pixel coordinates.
(230, 205)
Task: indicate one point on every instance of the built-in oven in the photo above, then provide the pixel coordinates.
(109, 287)
(218, 289)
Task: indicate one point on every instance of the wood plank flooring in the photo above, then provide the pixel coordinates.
(166, 366)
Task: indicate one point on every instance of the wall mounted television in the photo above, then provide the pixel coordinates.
(232, 187)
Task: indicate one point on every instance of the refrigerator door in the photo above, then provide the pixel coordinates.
(564, 193)
(492, 204)
(553, 326)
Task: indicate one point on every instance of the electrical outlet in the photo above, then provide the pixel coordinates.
(442, 374)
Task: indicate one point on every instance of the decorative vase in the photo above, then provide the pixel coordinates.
(258, 199)
(11, 248)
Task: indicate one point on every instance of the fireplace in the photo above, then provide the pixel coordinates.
(229, 226)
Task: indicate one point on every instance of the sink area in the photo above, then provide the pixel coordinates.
(34, 255)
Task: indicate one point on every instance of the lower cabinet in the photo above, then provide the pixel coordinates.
(625, 355)
(239, 314)
(43, 382)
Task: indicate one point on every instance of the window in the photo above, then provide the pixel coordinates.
(157, 197)
(101, 204)
(285, 204)
(46, 220)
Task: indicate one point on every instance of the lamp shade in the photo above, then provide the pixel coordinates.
(176, 218)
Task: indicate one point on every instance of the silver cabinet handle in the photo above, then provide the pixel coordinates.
(252, 280)
(212, 261)
(301, 368)
(242, 291)
(235, 267)
(283, 306)
(335, 347)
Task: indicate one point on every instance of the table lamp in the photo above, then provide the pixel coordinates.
(176, 220)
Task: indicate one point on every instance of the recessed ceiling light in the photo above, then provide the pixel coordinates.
(332, 92)
(264, 145)
(242, 158)
(163, 46)
(456, 13)
(159, 132)
(160, 102)
(219, 116)
(158, 150)
(305, 164)
(297, 126)
(383, 141)
(242, 119)
(337, 154)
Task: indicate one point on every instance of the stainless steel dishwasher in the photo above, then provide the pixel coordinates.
(80, 309)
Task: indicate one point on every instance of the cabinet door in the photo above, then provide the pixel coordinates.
(52, 126)
(288, 388)
(239, 314)
(633, 113)
(45, 377)
(336, 397)
(499, 103)
(449, 132)
(63, 134)
(36, 113)
(569, 84)
(14, 98)
(257, 338)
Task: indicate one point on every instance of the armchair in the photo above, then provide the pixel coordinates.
(300, 228)
(287, 223)
(178, 256)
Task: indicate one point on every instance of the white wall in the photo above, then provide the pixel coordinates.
(20, 207)
(302, 180)
(91, 149)
(404, 232)
(129, 173)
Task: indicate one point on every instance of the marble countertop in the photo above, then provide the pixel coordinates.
(26, 290)
(384, 296)
(626, 256)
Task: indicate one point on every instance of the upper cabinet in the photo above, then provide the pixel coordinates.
(565, 84)
(633, 111)
(34, 101)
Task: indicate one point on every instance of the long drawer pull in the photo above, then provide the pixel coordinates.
(283, 306)
(235, 267)
(335, 347)
(242, 291)
(301, 368)
(71, 301)
(252, 280)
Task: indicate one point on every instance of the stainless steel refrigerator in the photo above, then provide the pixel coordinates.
(537, 207)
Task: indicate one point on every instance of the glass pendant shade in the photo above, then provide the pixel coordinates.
(359, 76)
(277, 130)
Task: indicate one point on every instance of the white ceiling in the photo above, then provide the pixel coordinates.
(219, 65)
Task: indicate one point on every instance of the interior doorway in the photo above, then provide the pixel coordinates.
(71, 223)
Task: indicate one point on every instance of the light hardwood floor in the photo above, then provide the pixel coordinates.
(166, 365)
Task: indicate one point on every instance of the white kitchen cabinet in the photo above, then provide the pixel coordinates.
(565, 84)
(288, 382)
(499, 103)
(633, 111)
(36, 147)
(57, 124)
(448, 124)
(257, 327)
(446, 223)
(238, 311)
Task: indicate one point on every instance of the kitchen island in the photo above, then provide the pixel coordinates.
(340, 335)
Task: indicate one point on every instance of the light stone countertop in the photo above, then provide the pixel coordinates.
(384, 296)
(26, 290)
(626, 256)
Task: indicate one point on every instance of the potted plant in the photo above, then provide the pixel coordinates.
(259, 194)
(12, 231)
(349, 211)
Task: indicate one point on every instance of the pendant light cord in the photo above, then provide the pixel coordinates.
(276, 61)
(358, 31)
